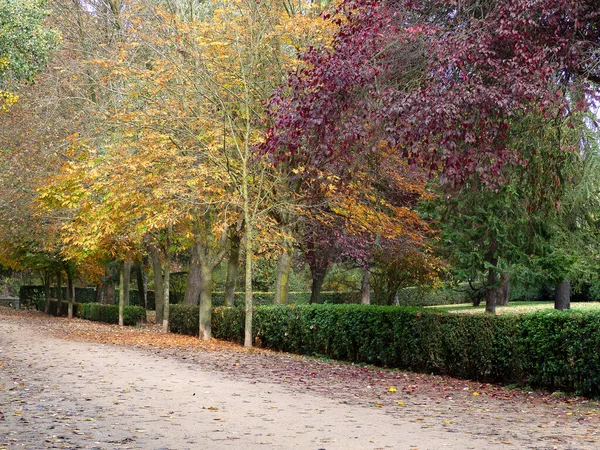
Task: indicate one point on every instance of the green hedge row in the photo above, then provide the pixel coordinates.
(62, 310)
(447, 295)
(132, 315)
(555, 351)
(98, 312)
(294, 298)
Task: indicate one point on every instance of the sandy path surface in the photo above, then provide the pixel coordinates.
(142, 392)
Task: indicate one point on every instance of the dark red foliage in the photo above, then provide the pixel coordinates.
(438, 83)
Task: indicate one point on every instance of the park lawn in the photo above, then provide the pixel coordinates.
(515, 307)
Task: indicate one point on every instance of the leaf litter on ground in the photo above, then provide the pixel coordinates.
(453, 403)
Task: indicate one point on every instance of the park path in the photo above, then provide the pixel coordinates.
(81, 385)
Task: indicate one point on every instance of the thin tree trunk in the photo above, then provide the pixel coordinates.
(59, 292)
(491, 292)
(47, 280)
(158, 282)
(317, 284)
(141, 284)
(167, 280)
(124, 276)
(127, 282)
(233, 267)
(205, 316)
(70, 293)
(365, 287)
(194, 280)
(121, 293)
(248, 285)
(562, 296)
(282, 280)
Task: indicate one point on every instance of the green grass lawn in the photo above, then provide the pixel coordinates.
(515, 307)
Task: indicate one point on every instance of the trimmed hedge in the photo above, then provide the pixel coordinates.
(555, 351)
(294, 298)
(98, 312)
(183, 319)
(448, 295)
(31, 295)
(63, 311)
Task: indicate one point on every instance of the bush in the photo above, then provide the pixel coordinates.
(29, 296)
(448, 295)
(61, 311)
(98, 312)
(294, 298)
(183, 319)
(556, 351)
(85, 294)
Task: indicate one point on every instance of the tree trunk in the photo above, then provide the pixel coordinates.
(59, 292)
(141, 284)
(205, 318)
(210, 256)
(317, 284)
(124, 288)
(233, 267)
(491, 292)
(167, 280)
(47, 280)
(365, 287)
(503, 296)
(248, 285)
(127, 282)
(159, 293)
(121, 293)
(108, 287)
(70, 293)
(194, 280)
(562, 296)
(282, 281)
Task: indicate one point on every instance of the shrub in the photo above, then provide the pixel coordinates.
(447, 295)
(57, 311)
(29, 296)
(183, 319)
(556, 351)
(98, 312)
(85, 294)
(294, 298)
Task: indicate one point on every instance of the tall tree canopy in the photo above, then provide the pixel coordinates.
(24, 44)
(439, 80)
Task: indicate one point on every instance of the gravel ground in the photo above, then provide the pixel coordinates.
(81, 385)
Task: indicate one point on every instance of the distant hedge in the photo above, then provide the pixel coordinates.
(294, 298)
(98, 312)
(183, 319)
(29, 296)
(555, 351)
(54, 309)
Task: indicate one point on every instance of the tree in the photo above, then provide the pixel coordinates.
(25, 45)
(439, 83)
(443, 85)
(196, 85)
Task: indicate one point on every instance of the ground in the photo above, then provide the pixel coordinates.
(516, 308)
(81, 385)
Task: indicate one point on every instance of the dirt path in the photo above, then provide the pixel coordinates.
(76, 384)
